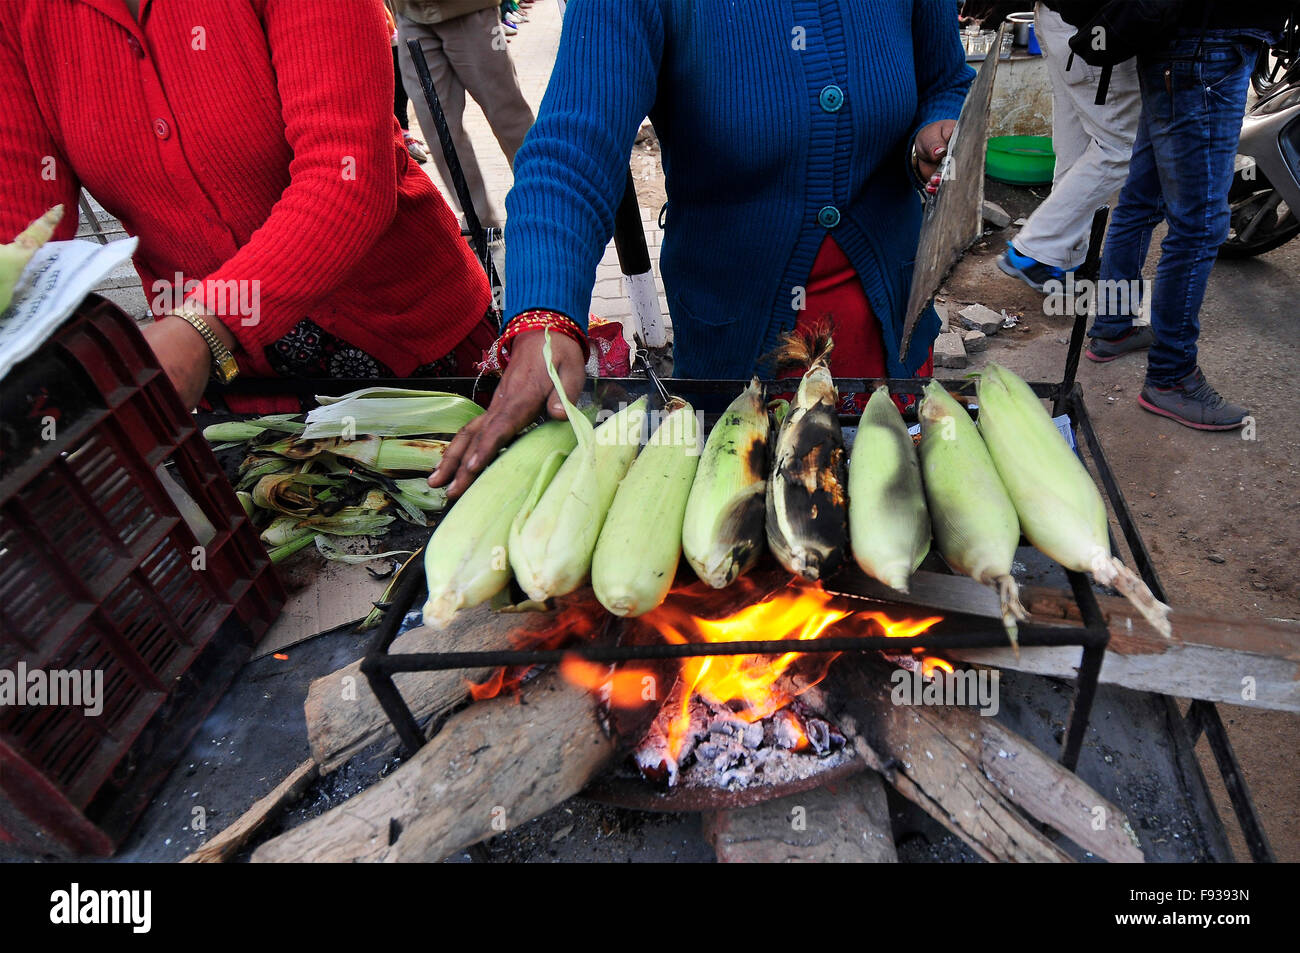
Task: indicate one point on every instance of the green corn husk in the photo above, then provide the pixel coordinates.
(389, 412)
(1060, 509)
(723, 535)
(279, 554)
(15, 256)
(391, 456)
(466, 560)
(554, 534)
(256, 466)
(807, 507)
(421, 495)
(239, 431)
(640, 544)
(974, 520)
(364, 520)
(889, 525)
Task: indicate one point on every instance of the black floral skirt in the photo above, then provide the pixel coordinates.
(309, 351)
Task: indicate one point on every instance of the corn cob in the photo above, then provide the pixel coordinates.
(390, 456)
(466, 559)
(806, 506)
(722, 535)
(554, 533)
(15, 256)
(639, 546)
(238, 431)
(889, 525)
(1059, 506)
(975, 523)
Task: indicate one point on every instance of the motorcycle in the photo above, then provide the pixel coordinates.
(1265, 193)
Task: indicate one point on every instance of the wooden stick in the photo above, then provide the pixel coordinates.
(226, 844)
(494, 765)
(343, 715)
(973, 775)
(1217, 658)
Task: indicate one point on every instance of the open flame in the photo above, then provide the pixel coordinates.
(754, 686)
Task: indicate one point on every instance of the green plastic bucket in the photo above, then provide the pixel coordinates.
(1020, 160)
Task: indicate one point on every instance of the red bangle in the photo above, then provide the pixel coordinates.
(539, 320)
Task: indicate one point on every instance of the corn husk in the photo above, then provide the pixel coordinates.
(723, 534)
(974, 520)
(807, 507)
(467, 559)
(239, 431)
(889, 524)
(389, 412)
(15, 256)
(1059, 506)
(640, 544)
(554, 533)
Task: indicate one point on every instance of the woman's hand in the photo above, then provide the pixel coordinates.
(524, 389)
(931, 146)
(183, 354)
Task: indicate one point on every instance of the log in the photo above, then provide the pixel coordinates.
(494, 765)
(228, 842)
(343, 715)
(1209, 656)
(973, 775)
(844, 822)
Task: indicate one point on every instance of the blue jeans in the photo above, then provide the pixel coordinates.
(1181, 171)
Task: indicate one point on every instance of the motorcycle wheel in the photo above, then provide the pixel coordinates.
(1275, 223)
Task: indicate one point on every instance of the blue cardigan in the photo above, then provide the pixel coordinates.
(780, 120)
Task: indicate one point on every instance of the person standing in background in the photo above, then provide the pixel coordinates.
(1194, 83)
(402, 102)
(1092, 144)
(465, 44)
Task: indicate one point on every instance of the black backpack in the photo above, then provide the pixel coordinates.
(1112, 31)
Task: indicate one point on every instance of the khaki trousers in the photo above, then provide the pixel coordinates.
(467, 54)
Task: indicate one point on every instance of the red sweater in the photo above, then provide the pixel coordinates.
(252, 148)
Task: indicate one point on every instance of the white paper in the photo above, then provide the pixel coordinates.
(52, 286)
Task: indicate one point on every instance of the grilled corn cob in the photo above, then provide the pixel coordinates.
(722, 535)
(806, 505)
(466, 559)
(889, 525)
(554, 533)
(975, 523)
(639, 546)
(1059, 506)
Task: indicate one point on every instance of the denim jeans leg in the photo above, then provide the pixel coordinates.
(1194, 140)
(1139, 210)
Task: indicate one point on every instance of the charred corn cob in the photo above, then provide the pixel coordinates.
(554, 533)
(722, 536)
(466, 560)
(639, 546)
(975, 523)
(806, 506)
(889, 525)
(1059, 507)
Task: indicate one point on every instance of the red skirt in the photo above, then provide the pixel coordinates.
(835, 295)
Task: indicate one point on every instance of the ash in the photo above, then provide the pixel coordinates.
(723, 751)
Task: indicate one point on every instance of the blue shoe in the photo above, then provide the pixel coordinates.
(1029, 270)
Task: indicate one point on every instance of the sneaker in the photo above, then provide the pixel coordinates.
(419, 152)
(1105, 350)
(1193, 403)
(507, 29)
(1029, 270)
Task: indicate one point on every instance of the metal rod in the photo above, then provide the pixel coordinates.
(377, 674)
(476, 232)
(1088, 271)
(1203, 715)
(990, 634)
(1085, 691)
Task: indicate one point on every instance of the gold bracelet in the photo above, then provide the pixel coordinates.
(224, 366)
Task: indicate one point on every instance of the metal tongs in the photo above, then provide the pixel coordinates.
(643, 355)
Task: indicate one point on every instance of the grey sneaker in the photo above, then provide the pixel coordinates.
(1193, 403)
(1105, 350)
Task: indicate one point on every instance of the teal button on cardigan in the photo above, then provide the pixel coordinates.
(751, 158)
